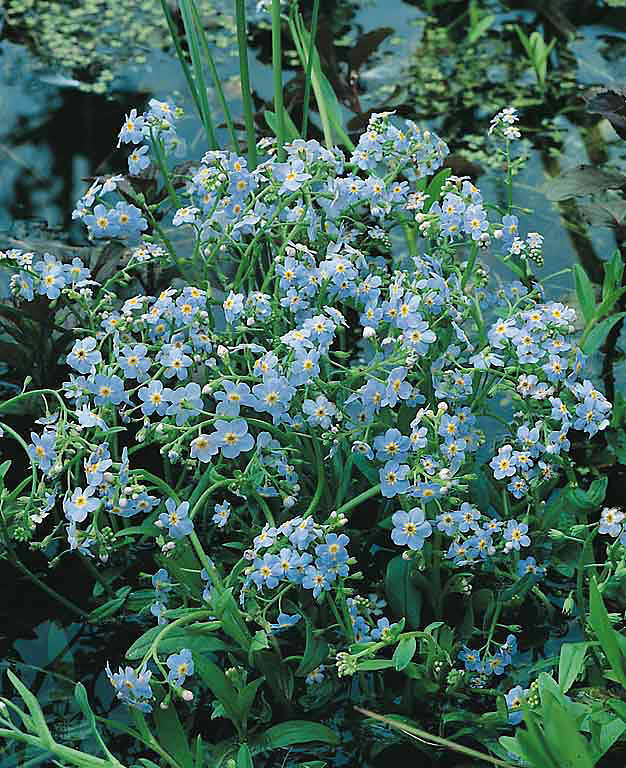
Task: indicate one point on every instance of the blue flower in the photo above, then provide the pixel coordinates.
(138, 160)
(80, 504)
(185, 402)
(514, 699)
(132, 687)
(233, 306)
(266, 571)
(154, 399)
(392, 445)
(529, 565)
(393, 479)
(504, 463)
(222, 513)
(232, 398)
(204, 447)
(471, 659)
(509, 648)
(176, 519)
(161, 581)
(41, 450)
(397, 388)
(134, 362)
(383, 630)
(84, 355)
(410, 528)
(132, 130)
(232, 437)
(108, 389)
(285, 621)
(495, 665)
(180, 666)
(320, 411)
(273, 396)
(515, 534)
(315, 579)
(334, 548)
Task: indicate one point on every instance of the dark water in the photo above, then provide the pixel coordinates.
(54, 135)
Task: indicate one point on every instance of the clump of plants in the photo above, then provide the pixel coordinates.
(340, 449)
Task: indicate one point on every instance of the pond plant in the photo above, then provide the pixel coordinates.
(328, 468)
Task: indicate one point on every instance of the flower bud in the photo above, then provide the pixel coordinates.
(369, 332)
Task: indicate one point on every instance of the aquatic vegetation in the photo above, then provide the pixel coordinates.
(326, 466)
(91, 44)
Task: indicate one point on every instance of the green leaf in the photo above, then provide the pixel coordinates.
(565, 737)
(619, 707)
(437, 182)
(201, 641)
(404, 653)
(244, 757)
(36, 713)
(601, 624)
(585, 293)
(597, 336)
(571, 663)
(613, 274)
(374, 665)
(246, 696)
(404, 598)
(171, 735)
(315, 651)
(609, 734)
(479, 29)
(292, 131)
(220, 686)
(296, 732)
(111, 606)
(365, 468)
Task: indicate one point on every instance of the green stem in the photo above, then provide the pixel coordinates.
(309, 65)
(278, 78)
(373, 491)
(246, 91)
(215, 77)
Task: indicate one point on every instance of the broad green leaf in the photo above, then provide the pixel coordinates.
(244, 757)
(571, 663)
(404, 653)
(609, 734)
(365, 468)
(601, 624)
(220, 686)
(597, 336)
(565, 738)
(315, 651)
(171, 735)
(374, 665)
(245, 698)
(437, 182)
(202, 641)
(296, 732)
(613, 274)
(403, 596)
(585, 293)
